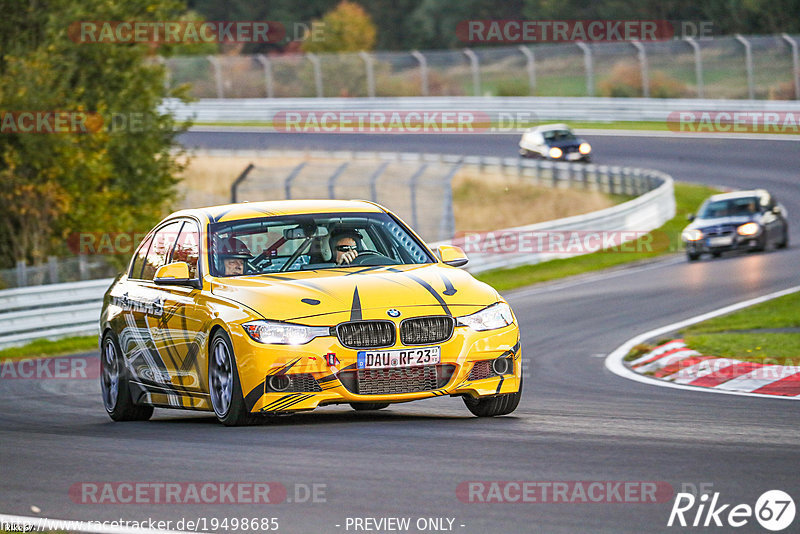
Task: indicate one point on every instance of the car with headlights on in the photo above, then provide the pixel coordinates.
(740, 220)
(554, 142)
(271, 308)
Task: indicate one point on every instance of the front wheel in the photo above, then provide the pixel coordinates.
(785, 242)
(692, 256)
(223, 384)
(114, 384)
(493, 406)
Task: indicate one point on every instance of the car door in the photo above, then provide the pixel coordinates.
(770, 220)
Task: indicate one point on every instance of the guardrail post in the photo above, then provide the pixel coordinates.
(373, 181)
(642, 53)
(369, 66)
(530, 66)
(748, 60)
(588, 63)
(476, 71)
(333, 177)
(315, 63)
(423, 70)
(215, 64)
(52, 267)
(241, 178)
(267, 64)
(795, 64)
(698, 65)
(287, 184)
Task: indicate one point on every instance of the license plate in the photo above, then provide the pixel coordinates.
(574, 155)
(722, 241)
(380, 359)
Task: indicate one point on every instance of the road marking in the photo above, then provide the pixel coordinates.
(614, 360)
(688, 135)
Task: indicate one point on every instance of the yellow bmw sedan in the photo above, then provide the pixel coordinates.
(270, 308)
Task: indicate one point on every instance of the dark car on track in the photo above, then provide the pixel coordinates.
(554, 142)
(741, 220)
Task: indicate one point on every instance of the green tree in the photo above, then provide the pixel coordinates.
(347, 28)
(120, 176)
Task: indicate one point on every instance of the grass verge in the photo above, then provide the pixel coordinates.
(46, 347)
(661, 241)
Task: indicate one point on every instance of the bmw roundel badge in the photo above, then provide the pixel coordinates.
(393, 313)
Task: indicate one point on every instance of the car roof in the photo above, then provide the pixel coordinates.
(740, 194)
(549, 127)
(274, 208)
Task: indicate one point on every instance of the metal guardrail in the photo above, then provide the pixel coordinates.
(507, 109)
(50, 311)
(59, 310)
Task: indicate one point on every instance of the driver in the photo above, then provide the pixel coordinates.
(344, 245)
(234, 254)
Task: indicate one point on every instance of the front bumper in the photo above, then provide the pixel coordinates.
(706, 245)
(257, 362)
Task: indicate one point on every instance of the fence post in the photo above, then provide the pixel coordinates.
(698, 65)
(241, 178)
(588, 62)
(315, 62)
(642, 53)
(373, 181)
(370, 68)
(22, 275)
(748, 59)
(167, 74)
(287, 184)
(795, 64)
(332, 179)
(447, 228)
(413, 189)
(267, 64)
(215, 64)
(476, 70)
(52, 268)
(530, 65)
(423, 70)
(83, 267)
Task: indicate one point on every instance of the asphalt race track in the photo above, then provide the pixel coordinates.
(576, 421)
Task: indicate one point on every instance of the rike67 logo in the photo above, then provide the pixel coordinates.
(774, 510)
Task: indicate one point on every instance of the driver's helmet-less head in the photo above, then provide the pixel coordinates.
(230, 248)
(340, 234)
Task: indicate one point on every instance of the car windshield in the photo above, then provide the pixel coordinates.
(729, 207)
(558, 135)
(310, 242)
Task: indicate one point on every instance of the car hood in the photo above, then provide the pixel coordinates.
(331, 296)
(565, 143)
(720, 221)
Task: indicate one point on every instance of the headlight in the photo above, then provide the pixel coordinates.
(556, 152)
(692, 235)
(283, 333)
(491, 318)
(748, 229)
(584, 148)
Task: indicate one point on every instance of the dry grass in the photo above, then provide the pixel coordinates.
(482, 201)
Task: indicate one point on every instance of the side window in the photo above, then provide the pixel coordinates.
(138, 262)
(187, 248)
(159, 252)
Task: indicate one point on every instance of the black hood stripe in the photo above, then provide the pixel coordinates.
(355, 309)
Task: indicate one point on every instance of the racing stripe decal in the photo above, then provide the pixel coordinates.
(255, 394)
(283, 399)
(428, 287)
(355, 309)
(284, 368)
(500, 384)
(449, 289)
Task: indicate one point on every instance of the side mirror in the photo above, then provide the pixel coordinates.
(776, 210)
(452, 255)
(176, 274)
(690, 217)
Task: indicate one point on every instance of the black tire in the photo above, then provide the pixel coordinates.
(785, 242)
(692, 256)
(716, 254)
(114, 386)
(224, 386)
(494, 406)
(367, 406)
